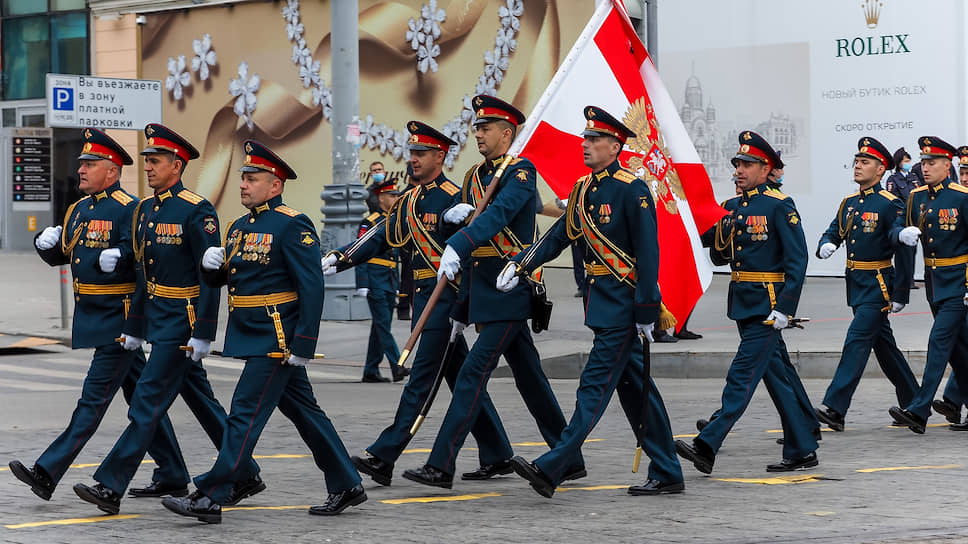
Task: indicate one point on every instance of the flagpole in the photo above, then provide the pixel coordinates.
(586, 36)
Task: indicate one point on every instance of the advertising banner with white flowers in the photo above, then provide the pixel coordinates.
(262, 70)
(813, 78)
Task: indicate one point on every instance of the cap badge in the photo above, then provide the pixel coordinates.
(747, 136)
(87, 133)
(927, 141)
(413, 127)
(248, 149)
(590, 124)
(413, 139)
(591, 112)
(925, 149)
(863, 149)
(150, 130)
(151, 141)
(744, 148)
(867, 141)
(478, 101)
(87, 147)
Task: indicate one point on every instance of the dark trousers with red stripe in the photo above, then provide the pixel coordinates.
(264, 384)
(610, 365)
(492, 441)
(512, 339)
(759, 350)
(112, 368)
(167, 374)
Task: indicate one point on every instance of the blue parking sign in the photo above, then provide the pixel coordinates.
(63, 98)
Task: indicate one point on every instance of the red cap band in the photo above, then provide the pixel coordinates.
(169, 145)
(91, 148)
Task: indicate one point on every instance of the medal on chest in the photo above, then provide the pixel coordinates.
(429, 221)
(605, 214)
(756, 226)
(256, 247)
(169, 234)
(98, 233)
(948, 218)
(868, 221)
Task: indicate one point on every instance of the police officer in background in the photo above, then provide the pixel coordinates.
(269, 261)
(505, 228)
(415, 228)
(936, 214)
(377, 280)
(866, 224)
(763, 241)
(97, 244)
(613, 212)
(171, 230)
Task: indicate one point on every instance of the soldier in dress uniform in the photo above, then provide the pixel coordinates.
(935, 214)
(482, 248)
(170, 232)
(866, 224)
(96, 241)
(377, 280)
(763, 241)
(415, 227)
(613, 213)
(270, 264)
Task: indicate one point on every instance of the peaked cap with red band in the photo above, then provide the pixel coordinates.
(753, 148)
(599, 122)
(259, 158)
(389, 187)
(963, 156)
(934, 147)
(162, 139)
(100, 146)
(870, 147)
(489, 108)
(424, 137)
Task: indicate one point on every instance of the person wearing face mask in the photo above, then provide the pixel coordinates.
(901, 181)
(378, 175)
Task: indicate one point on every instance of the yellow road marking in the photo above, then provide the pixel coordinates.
(70, 521)
(441, 499)
(778, 480)
(300, 506)
(593, 488)
(820, 513)
(685, 435)
(89, 465)
(32, 341)
(926, 467)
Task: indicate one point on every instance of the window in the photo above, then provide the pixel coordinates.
(31, 45)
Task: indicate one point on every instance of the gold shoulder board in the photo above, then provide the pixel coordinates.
(919, 189)
(449, 187)
(286, 210)
(888, 195)
(373, 217)
(958, 187)
(189, 196)
(122, 197)
(775, 194)
(624, 176)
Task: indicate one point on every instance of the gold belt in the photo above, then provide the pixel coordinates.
(424, 274)
(383, 262)
(868, 265)
(485, 251)
(171, 292)
(95, 289)
(259, 301)
(597, 270)
(756, 277)
(945, 261)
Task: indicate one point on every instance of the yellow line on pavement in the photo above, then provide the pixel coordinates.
(685, 436)
(820, 513)
(778, 480)
(89, 465)
(593, 488)
(441, 498)
(926, 467)
(71, 521)
(300, 506)
(928, 425)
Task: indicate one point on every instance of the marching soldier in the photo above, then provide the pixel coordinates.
(97, 244)
(865, 224)
(613, 212)
(935, 213)
(415, 227)
(170, 232)
(763, 241)
(505, 228)
(269, 262)
(377, 280)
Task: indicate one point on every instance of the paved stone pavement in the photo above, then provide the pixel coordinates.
(874, 483)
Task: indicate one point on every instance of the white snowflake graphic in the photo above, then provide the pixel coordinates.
(245, 88)
(204, 56)
(178, 78)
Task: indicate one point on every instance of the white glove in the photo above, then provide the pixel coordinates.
(645, 329)
(909, 236)
(897, 306)
(508, 278)
(458, 213)
(449, 264)
(108, 259)
(49, 237)
(200, 348)
(362, 291)
(456, 328)
(827, 250)
(296, 360)
(780, 321)
(966, 299)
(131, 343)
(213, 258)
(329, 264)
